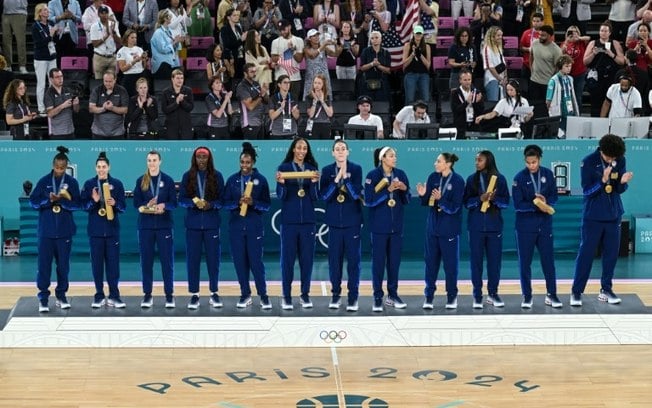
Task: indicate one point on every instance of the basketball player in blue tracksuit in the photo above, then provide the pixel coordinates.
(200, 193)
(155, 197)
(604, 179)
(486, 228)
(534, 226)
(55, 196)
(246, 232)
(443, 194)
(298, 197)
(341, 189)
(104, 234)
(386, 208)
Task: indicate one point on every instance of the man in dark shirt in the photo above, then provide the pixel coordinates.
(177, 104)
(108, 103)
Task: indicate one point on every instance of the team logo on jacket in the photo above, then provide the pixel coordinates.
(256, 182)
(543, 179)
(161, 184)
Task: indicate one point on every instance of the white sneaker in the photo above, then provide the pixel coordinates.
(306, 303)
(575, 299)
(527, 302)
(23, 70)
(495, 300)
(607, 295)
(43, 306)
(147, 302)
(428, 304)
(477, 303)
(62, 303)
(553, 300)
(117, 303)
(244, 302)
(396, 302)
(286, 304)
(335, 303)
(452, 304)
(98, 303)
(169, 302)
(352, 306)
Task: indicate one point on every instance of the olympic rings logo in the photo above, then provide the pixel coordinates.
(321, 232)
(332, 336)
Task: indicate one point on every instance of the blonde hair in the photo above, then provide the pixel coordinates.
(37, 10)
(3, 62)
(162, 15)
(147, 179)
(490, 39)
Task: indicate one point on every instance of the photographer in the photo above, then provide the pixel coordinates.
(59, 104)
(575, 47)
(643, 46)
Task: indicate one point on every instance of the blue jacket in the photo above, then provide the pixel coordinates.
(234, 189)
(492, 220)
(384, 219)
(162, 50)
(598, 204)
(56, 9)
(99, 226)
(445, 217)
(297, 210)
(349, 212)
(528, 216)
(51, 224)
(196, 218)
(167, 194)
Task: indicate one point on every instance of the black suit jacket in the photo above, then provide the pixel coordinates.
(458, 105)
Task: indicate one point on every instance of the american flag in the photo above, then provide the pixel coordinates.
(286, 61)
(404, 30)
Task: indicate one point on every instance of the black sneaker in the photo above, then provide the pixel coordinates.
(169, 302)
(194, 302)
(378, 305)
(553, 300)
(607, 295)
(265, 304)
(117, 303)
(43, 306)
(495, 300)
(306, 303)
(477, 302)
(527, 302)
(335, 302)
(147, 302)
(215, 300)
(244, 302)
(352, 305)
(98, 302)
(62, 302)
(396, 302)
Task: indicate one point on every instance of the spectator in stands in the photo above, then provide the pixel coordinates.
(575, 46)
(60, 103)
(495, 70)
(253, 98)
(14, 21)
(479, 31)
(490, 7)
(576, 13)
(503, 112)
(45, 53)
(345, 66)
(602, 58)
(256, 54)
(6, 76)
(354, 12)
(326, 18)
(92, 16)
(177, 104)
(296, 12)
(222, 8)
(383, 20)
(132, 61)
(621, 15)
(65, 14)
(287, 53)
(527, 39)
(266, 20)
(622, 100)
(108, 103)
(560, 96)
(179, 23)
(201, 25)
(316, 52)
(458, 5)
(164, 47)
(461, 55)
(467, 103)
(142, 113)
(415, 113)
(140, 16)
(220, 63)
(544, 7)
(232, 38)
(118, 7)
(320, 109)
(544, 55)
(366, 118)
(375, 66)
(643, 46)
(416, 67)
(105, 37)
(16, 104)
(632, 31)
(283, 111)
(218, 104)
(640, 78)
(642, 6)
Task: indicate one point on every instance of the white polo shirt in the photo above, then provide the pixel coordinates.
(623, 104)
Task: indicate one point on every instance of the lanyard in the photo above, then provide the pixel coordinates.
(625, 104)
(289, 102)
(244, 179)
(154, 191)
(298, 167)
(100, 190)
(482, 188)
(443, 189)
(201, 185)
(537, 184)
(56, 188)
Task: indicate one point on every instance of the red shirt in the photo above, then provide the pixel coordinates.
(642, 59)
(117, 6)
(526, 41)
(576, 51)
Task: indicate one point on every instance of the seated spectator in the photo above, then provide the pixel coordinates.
(503, 112)
(256, 54)
(200, 15)
(218, 104)
(18, 116)
(415, 113)
(60, 103)
(108, 103)
(622, 100)
(266, 20)
(467, 104)
(345, 67)
(132, 61)
(141, 17)
(353, 11)
(142, 113)
(375, 66)
(640, 78)
(164, 47)
(283, 111)
(105, 38)
(177, 103)
(560, 96)
(320, 109)
(253, 98)
(220, 63)
(366, 118)
(643, 46)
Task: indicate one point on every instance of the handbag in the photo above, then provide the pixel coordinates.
(500, 68)
(374, 84)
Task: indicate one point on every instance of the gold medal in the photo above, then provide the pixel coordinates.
(301, 193)
(56, 209)
(608, 188)
(340, 198)
(102, 212)
(391, 202)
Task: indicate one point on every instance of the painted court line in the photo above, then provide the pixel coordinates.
(338, 378)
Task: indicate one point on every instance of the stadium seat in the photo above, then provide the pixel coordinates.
(464, 22)
(74, 63)
(444, 42)
(446, 26)
(201, 43)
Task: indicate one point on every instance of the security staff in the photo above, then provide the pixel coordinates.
(104, 231)
(485, 226)
(200, 193)
(443, 194)
(604, 179)
(298, 197)
(386, 209)
(55, 196)
(533, 225)
(341, 189)
(246, 230)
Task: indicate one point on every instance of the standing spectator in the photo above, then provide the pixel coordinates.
(545, 54)
(575, 47)
(65, 14)
(60, 103)
(375, 66)
(232, 38)
(326, 17)
(316, 54)
(458, 5)
(640, 78)
(467, 104)
(461, 55)
(118, 7)
(105, 37)
(164, 47)
(287, 53)
(354, 12)
(200, 15)
(92, 16)
(622, 100)
(349, 49)
(495, 70)
(14, 21)
(253, 98)
(383, 20)
(576, 13)
(140, 16)
(643, 46)
(528, 38)
(220, 63)
(604, 179)
(621, 15)
(142, 113)
(320, 109)
(283, 111)
(45, 53)
(296, 12)
(258, 55)
(218, 104)
(266, 20)
(6, 76)
(179, 23)
(632, 31)
(560, 96)
(177, 103)
(132, 61)
(108, 103)
(16, 104)
(416, 67)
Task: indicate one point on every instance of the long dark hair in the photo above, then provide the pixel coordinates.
(251, 46)
(211, 176)
(490, 169)
(310, 159)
